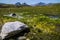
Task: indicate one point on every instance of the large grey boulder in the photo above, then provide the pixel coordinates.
(13, 30)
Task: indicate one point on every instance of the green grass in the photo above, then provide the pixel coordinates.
(42, 27)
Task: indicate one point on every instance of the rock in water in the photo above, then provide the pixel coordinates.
(11, 29)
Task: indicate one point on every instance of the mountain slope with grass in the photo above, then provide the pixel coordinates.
(44, 21)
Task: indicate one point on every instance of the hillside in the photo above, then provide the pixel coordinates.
(44, 21)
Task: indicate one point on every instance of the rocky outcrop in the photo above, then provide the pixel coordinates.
(13, 30)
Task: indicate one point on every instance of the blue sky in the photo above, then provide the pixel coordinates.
(29, 1)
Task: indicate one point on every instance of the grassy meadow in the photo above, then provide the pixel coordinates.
(42, 26)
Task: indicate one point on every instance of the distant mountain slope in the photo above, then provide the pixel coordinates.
(53, 4)
(40, 4)
(18, 4)
(2, 3)
(49, 4)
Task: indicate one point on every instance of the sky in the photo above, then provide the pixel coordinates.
(29, 1)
